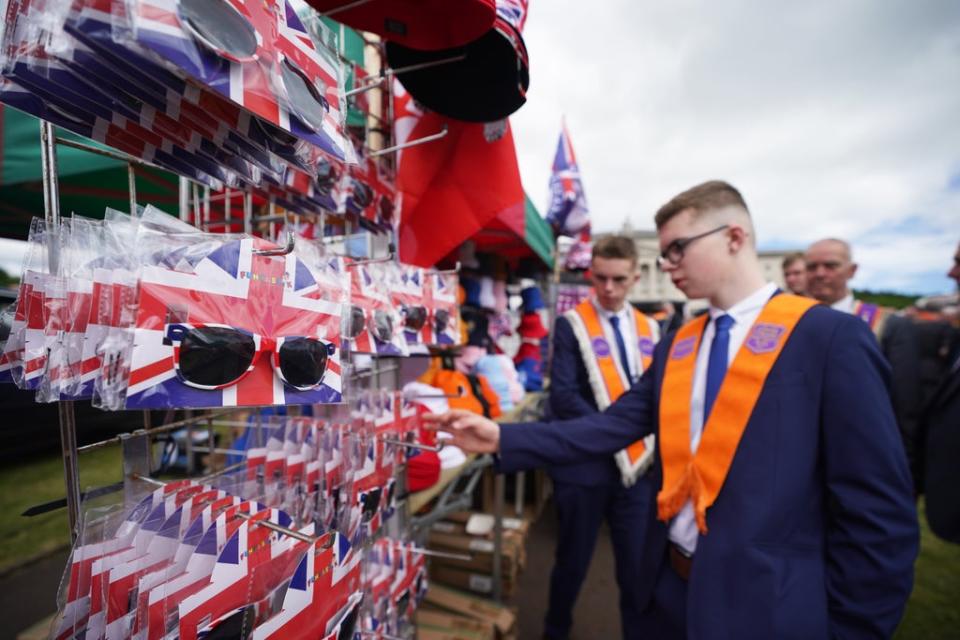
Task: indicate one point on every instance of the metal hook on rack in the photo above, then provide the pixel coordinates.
(281, 251)
(387, 73)
(410, 143)
(284, 530)
(414, 445)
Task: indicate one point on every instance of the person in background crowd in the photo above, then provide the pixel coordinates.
(601, 347)
(795, 273)
(829, 270)
(830, 267)
(785, 507)
(939, 440)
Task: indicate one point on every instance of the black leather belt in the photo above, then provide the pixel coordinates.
(680, 561)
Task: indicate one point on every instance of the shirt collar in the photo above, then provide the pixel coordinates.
(609, 314)
(844, 304)
(749, 305)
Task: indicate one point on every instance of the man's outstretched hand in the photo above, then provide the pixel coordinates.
(471, 432)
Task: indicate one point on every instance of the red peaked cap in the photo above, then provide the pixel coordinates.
(419, 24)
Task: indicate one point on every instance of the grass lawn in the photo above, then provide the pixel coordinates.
(932, 612)
(38, 480)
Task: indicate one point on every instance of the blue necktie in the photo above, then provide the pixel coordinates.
(621, 346)
(717, 363)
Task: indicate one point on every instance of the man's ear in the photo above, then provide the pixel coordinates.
(738, 237)
(853, 269)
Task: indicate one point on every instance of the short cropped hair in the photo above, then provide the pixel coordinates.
(714, 194)
(615, 247)
(790, 258)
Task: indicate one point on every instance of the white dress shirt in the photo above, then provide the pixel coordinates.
(844, 304)
(683, 528)
(628, 329)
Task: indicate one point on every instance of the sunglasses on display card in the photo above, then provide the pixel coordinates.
(215, 356)
(379, 322)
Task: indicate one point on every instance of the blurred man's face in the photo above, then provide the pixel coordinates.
(795, 276)
(706, 261)
(955, 270)
(828, 270)
(612, 279)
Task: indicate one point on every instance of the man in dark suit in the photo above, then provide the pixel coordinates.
(591, 491)
(786, 507)
(939, 443)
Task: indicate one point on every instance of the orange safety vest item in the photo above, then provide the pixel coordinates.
(700, 476)
(608, 376)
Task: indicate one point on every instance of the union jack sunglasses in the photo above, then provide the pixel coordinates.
(226, 32)
(215, 356)
(379, 322)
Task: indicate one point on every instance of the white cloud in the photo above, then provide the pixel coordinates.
(833, 118)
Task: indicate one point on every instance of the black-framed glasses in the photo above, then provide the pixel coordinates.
(673, 254)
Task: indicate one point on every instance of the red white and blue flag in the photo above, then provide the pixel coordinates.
(325, 585)
(272, 296)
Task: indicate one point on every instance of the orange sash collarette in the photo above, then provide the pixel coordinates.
(700, 477)
(609, 379)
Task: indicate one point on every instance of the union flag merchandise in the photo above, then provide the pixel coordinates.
(323, 598)
(199, 336)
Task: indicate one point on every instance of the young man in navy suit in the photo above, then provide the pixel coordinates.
(600, 348)
(785, 506)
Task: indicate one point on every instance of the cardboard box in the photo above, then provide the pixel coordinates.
(512, 561)
(448, 626)
(481, 583)
(510, 523)
(472, 606)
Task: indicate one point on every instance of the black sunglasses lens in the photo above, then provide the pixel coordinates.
(403, 604)
(354, 322)
(362, 194)
(415, 318)
(349, 624)
(383, 326)
(441, 319)
(371, 501)
(214, 356)
(303, 361)
(220, 26)
(308, 104)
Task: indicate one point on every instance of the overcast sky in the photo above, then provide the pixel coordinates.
(834, 118)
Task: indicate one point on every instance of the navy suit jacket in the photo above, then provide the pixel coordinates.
(572, 397)
(940, 460)
(814, 532)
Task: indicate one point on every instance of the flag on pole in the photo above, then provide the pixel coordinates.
(568, 212)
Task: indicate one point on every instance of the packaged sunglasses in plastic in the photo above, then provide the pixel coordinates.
(445, 312)
(370, 195)
(323, 599)
(205, 542)
(11, 361)
(253, 562)
(257, 54)
(372, 324)
(241, 329)
(408, 294)
(408, 588)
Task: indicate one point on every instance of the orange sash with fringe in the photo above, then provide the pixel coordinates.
(699, 477)
(609, 381)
